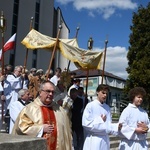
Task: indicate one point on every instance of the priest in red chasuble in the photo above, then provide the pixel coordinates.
(44, 118)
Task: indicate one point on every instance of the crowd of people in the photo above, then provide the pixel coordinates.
(22, 89)
(45, 107)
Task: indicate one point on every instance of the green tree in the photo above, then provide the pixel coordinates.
(139, 52)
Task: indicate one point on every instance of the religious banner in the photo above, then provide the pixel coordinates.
(85, 59)
(36, 40)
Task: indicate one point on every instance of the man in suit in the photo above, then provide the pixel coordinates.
(76, 118)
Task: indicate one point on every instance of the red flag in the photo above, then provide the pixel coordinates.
(10, 44)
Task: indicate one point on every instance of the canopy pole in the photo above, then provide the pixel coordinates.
(77, 31)
(90, 47)
(27, 50)
(53, 53)
(86, 88)
(106, 42)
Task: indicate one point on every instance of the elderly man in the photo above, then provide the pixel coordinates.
(45, 118)
(16, 106)
(12, 85)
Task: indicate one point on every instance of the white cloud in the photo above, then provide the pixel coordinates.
(91, 14)
(104, 7)
(116, 61)
(107, 12)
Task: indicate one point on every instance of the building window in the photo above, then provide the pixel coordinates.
(36, 27)
(15, 16)
(14, 29)
(37, 15)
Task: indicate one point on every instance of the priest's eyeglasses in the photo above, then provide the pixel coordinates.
(48, 91)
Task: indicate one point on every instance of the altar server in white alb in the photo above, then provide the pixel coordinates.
(97, 122)
(135, 122)
(12, 85)
(16, 106)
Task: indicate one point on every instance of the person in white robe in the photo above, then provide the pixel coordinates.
(16, 106)
(1, 103)
(97, 122)
(2, 98)
(135, 122)
(12, 85)
(56, 77)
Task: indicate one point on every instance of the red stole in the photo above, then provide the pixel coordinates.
(49, 118)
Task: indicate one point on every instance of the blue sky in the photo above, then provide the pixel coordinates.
(101, 20)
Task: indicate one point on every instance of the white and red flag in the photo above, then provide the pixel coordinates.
(10, 44)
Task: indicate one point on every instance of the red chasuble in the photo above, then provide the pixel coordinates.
(49, 118)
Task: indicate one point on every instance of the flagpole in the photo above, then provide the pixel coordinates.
(2, 28)
(106, 42)
(77, 31)
(90, 47)
(27, 50)
(53, 53)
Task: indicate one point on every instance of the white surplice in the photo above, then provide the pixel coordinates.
(97, 130)
(54, 80)
(14, 110)
(12, 85)
(129, 118)
(1, 87)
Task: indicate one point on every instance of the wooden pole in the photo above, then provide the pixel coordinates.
(86, 88)
(25, 61)
(2, 53)
(90, 46)
(53, 53)
(2, 74)
(77, 31)
(2, 28)
(27, 50)
(106, 42)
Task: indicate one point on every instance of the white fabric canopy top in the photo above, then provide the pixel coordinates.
(85, 59)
